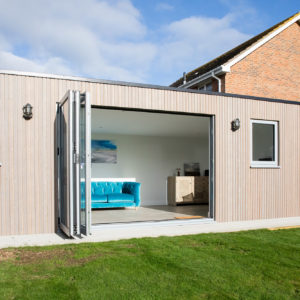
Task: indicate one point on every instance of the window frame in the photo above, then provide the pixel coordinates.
(265, 164)
(204, 87)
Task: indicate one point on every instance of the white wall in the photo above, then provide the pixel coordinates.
(151, 160)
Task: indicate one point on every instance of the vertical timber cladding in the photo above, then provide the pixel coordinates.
(27, 149)
(27, 153)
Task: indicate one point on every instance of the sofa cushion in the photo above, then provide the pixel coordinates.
(99, 198)
(97, 188)
(101, 188)
(116, 187)
(119, 197)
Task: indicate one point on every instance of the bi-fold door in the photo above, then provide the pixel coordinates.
(74, 163)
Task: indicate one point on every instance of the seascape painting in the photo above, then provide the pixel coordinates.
(104, 151)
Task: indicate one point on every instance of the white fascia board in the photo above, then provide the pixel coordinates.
(205, 76)
(260, 43)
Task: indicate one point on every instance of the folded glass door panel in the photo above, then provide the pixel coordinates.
(74, 163)
(85, 163)
(65, 164)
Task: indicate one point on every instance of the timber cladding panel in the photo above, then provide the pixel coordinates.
(27, 149)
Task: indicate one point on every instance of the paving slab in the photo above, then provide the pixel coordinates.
(127, 231)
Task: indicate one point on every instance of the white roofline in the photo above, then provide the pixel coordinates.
(101, 81)
(261, 42)
(84, 79)
(45, 75)
(148, 86)
(219, 70)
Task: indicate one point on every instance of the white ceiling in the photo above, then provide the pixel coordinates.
(149, 124)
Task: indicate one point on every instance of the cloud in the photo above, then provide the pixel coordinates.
(53, 65)
(241, 10)
(74, 36)
(164, 6)
(107, 39)
(193, 41)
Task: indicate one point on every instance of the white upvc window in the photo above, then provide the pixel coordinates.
(264, 144)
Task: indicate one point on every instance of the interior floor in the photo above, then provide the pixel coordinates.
(149, 213)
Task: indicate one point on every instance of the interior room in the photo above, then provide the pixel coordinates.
(160, 160)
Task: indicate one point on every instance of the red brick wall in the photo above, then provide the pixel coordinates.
(215, 84)
(272, 70)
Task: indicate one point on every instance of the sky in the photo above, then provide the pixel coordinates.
(142, 41)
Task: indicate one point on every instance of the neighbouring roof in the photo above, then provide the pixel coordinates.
(222, 59)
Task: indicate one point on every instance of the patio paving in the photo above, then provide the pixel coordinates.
(147, 229)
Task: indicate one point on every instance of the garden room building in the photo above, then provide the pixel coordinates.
(77, 154)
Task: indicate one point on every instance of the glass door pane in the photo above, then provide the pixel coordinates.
(85, 163)
(74, 163)
(65, 164)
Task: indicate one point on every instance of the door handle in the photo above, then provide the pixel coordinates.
(0, 164)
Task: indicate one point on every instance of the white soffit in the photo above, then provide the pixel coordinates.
(106, 121)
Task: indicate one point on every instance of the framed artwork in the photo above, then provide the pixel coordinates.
(104, 151)
(192, 169)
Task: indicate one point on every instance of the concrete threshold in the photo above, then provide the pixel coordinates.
(113, 233)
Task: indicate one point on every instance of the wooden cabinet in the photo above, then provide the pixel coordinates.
(187, 189)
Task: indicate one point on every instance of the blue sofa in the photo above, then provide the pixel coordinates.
(114, 194)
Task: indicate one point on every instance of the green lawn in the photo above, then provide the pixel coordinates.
(257, 264)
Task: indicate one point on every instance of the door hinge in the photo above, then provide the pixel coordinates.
(57, 151)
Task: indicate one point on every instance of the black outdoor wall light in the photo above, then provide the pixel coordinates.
(27, 111)
(235, 124)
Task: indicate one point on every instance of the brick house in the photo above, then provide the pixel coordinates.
(267, 65)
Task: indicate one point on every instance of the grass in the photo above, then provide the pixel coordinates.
(257, 264)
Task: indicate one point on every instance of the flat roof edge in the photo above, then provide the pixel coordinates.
(144, 85)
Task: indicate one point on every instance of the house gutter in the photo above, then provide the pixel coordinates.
(219, 70)
(218, 79)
